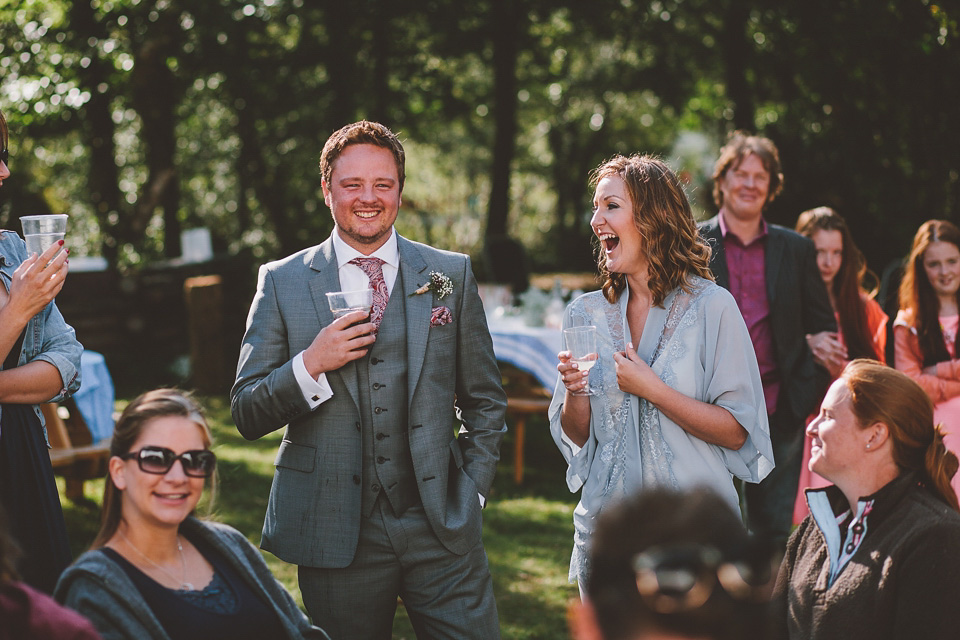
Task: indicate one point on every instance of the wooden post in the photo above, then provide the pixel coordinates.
(204, 300)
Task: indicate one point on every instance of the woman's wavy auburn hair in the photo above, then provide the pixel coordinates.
(917, 295)
(879, 393)
(4, 131)
(674, 249)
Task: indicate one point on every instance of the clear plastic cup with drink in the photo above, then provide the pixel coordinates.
(43, 231)
(344, 302)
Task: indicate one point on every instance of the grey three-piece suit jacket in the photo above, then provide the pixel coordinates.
(314, 511)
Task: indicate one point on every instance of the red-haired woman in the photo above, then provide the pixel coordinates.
(878, 556)
(925, 331)
(862, 323)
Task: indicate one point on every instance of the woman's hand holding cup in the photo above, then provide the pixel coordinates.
(573, 379)
(38, 280)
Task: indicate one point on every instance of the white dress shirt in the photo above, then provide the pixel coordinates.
(317, 390)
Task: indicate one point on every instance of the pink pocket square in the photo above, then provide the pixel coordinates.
(440, 316)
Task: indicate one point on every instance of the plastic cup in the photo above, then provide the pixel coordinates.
(343, 302)
(42, 232)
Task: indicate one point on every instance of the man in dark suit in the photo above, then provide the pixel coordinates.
(374, 495)
(772, 273)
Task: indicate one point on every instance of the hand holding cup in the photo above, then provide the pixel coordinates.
(38, 280)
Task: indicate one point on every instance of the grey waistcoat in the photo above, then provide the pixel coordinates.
(382, 378)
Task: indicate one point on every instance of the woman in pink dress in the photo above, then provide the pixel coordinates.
(862, 323)
(925, 331)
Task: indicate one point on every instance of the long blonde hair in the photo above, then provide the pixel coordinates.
(661, 212)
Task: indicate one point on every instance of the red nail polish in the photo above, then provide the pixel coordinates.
(60, 242)
(68, 250)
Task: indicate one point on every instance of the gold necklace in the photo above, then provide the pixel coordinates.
(184, 586)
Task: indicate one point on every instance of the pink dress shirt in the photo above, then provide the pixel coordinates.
(746, 264)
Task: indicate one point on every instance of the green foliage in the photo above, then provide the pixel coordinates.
(142, 117)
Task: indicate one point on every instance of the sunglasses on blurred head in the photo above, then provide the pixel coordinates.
(198, 463)
(676, 578)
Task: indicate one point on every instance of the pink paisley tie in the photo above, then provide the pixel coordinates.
(373, 267)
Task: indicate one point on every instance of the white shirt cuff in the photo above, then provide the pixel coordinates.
(574, 448)
(315, 391)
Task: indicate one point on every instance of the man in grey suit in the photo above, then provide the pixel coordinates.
(772, 273)
(374, 493)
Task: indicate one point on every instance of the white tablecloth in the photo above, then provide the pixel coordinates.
(532, 349)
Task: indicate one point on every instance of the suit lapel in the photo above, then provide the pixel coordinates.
(326, 278)
(718, 258)
(417, 308)
(774, 258)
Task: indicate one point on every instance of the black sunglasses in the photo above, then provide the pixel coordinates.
(198, 463)
(5, 156)
(682, 577)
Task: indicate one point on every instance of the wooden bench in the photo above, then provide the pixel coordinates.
(519, 407)
(73, 454)
(525, 397)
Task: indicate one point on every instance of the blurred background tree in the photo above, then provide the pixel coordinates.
(142, 118)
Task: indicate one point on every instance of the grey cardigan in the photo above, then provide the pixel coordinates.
(98, 588)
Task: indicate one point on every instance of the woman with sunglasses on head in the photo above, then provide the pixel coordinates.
(926, 329)
(157, 572)
(862, 323)
(674, 565)
(40, 359)
(879, 556)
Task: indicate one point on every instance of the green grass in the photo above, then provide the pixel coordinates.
(528, 530)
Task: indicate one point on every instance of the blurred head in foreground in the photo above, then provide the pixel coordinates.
(671, 565)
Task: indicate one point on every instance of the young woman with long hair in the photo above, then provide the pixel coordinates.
(157, 572)
(925, 331)
(678, 397)
(862, 323)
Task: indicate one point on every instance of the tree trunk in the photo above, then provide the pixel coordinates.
(156, 94)
(504, 34)
(98, 131)
(736, 59)
(505, 258)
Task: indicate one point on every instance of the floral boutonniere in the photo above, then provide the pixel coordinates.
(439, 283)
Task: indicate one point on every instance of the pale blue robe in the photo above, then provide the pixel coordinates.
(698, 344)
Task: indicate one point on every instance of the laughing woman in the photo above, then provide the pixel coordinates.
(155, 571)
(678, 402)
(925, 331)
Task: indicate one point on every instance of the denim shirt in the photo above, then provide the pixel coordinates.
(48, 337)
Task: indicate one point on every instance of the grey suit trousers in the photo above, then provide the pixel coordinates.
(445, 595)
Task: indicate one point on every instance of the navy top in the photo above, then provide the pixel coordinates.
(225, 608)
